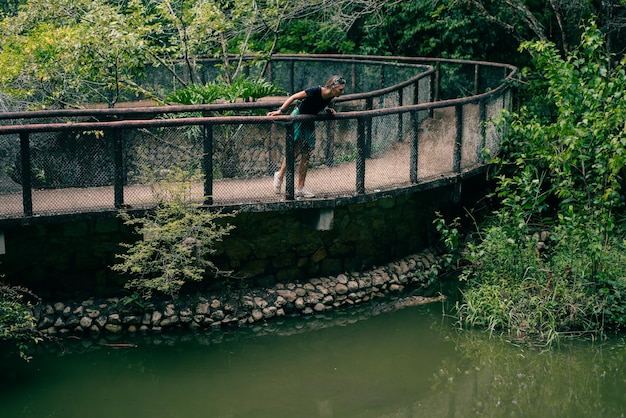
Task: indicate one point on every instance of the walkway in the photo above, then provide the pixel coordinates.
(386, 171)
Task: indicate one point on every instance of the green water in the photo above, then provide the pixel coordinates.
(407, 363)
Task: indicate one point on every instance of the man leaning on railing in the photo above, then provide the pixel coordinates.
(313, 101)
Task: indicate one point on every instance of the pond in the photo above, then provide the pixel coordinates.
(361, 362)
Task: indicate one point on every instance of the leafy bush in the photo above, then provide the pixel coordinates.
(239, 88)
(177, 239)
(562, 172)
(17, 323)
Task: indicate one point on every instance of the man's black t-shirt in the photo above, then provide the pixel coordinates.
(313, 103)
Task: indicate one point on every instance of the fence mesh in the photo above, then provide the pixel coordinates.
(75, 170)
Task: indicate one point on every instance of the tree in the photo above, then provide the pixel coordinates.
(66, 53)
(559, 21)
(424, 28)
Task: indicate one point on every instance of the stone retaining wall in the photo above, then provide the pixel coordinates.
(112, 316)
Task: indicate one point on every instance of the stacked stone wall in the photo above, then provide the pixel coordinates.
(114, 316)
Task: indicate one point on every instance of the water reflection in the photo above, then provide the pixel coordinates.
(357, 363)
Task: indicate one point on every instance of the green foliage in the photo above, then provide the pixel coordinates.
(562, 171)
(64, 52)
(195, 94)
(239, 88)
(451, 237)
(313, 37)
(425, 28)
(178, 238)
(17, 323)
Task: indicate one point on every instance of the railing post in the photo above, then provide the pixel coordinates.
(368, 130)
(207, 162)
(360, 156)
(289, 159)
(482, 120)
(435, 89)
(431, 111)
(329, 152)
(458, 140)
(27, 188)
(414, 153)
(458, 144)
(476, 78)
(292, 86)
(118, 163)
(400, 115)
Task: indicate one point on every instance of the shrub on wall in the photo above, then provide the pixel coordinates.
(17, 323)
(178, 238)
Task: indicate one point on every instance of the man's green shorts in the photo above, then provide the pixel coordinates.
(304, 131)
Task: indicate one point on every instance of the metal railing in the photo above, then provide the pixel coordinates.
(406, 121)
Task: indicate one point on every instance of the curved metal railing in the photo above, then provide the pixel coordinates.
(406, 123)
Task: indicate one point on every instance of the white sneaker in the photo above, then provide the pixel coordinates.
(278, 182)
(304, 193)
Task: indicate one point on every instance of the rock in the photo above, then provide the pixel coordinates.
(300, 303)
(156, 318)
(85, 322)
(93, 313)
(314, 298)
(217, 315)
(341, 289)
(261, 303)
(45, 322)
(113, 328)
(269, 312)
(289, 295)
(170, 310)
(257, 315)
(342, 279)
(114, 319)
(280, 301)
(132, 320)
(202, 308)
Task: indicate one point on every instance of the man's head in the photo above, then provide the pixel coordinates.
(337, 85)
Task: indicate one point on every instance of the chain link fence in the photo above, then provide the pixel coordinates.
(391, 130)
